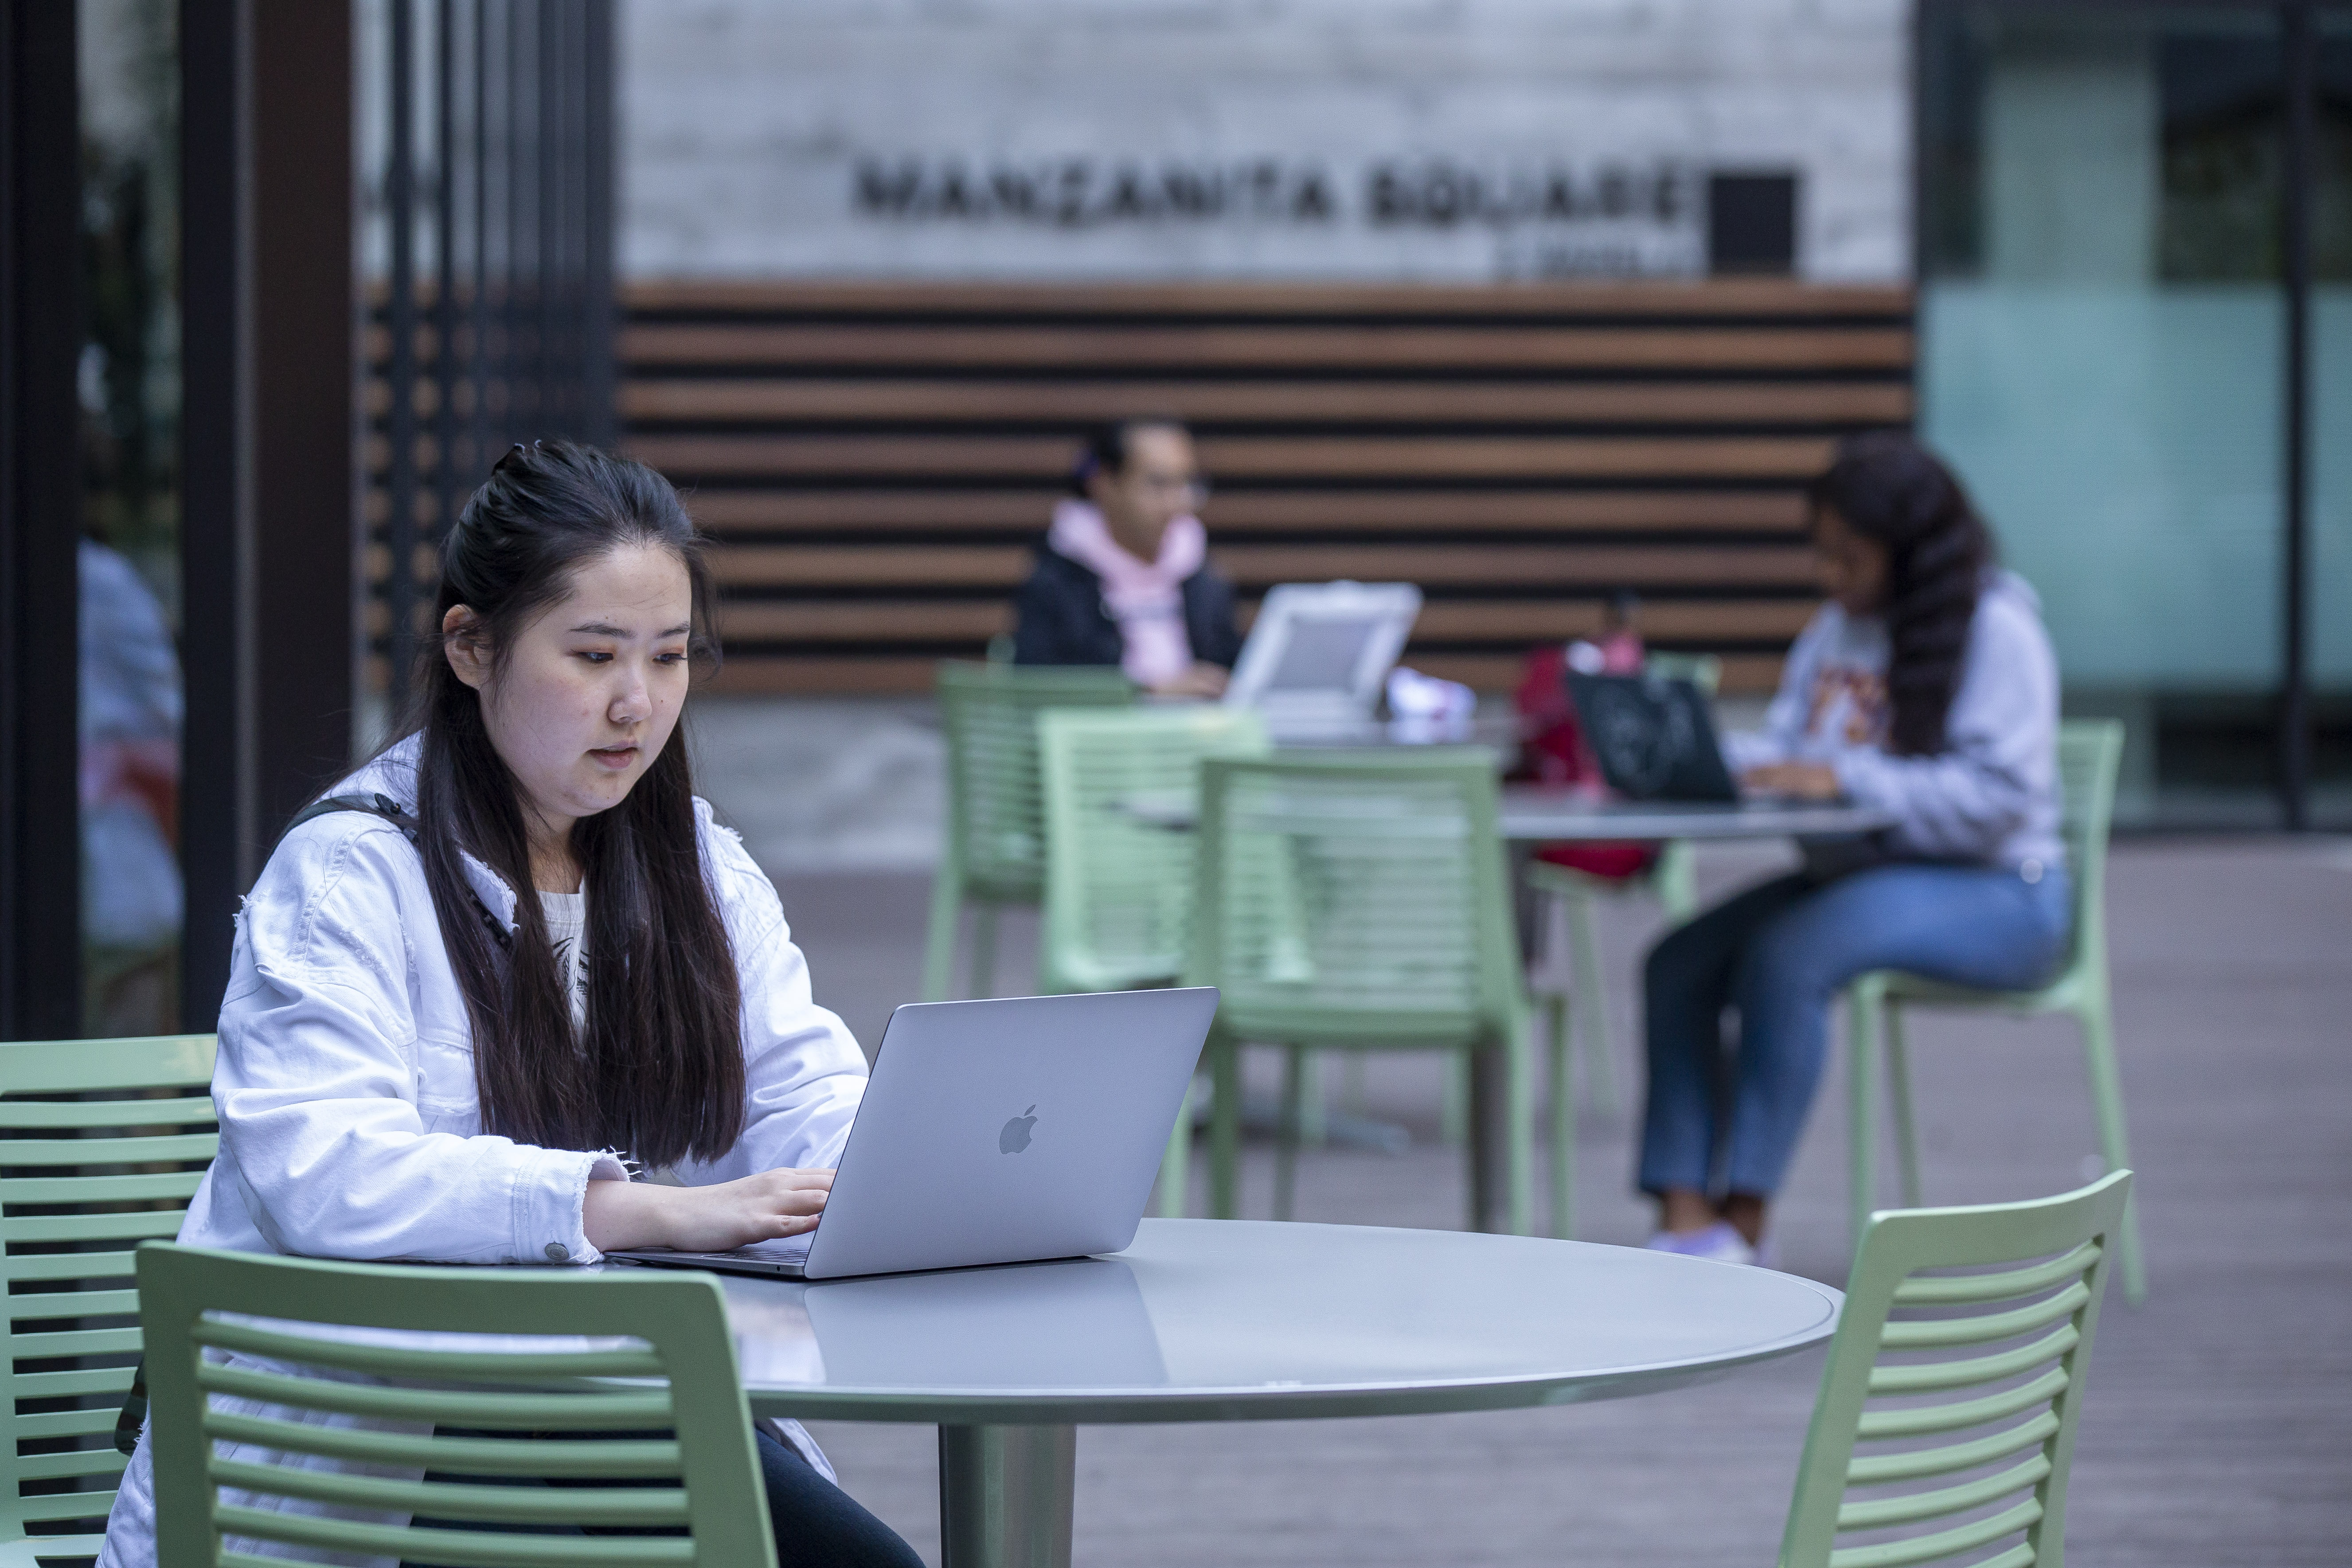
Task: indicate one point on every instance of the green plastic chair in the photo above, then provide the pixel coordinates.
(1355, 900)
(1569, 899)
(2089, 753)
(1118, 886)
(1966, 1403)
(671, 1447)
(99, 1175)
(995, 849)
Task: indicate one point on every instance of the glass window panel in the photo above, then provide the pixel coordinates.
(130, 603)
(2101, 357)
(2330, 585)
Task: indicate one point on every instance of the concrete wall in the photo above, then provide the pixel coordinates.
(1454, 140)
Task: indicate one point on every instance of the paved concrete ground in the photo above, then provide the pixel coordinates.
(2219, 1429)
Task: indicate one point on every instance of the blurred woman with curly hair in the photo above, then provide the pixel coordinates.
(1926, 687)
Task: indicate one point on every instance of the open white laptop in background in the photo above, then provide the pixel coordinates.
(1317, 654)
(997, 1132)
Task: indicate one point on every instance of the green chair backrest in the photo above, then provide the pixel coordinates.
(989, 714)
(2090, 754)
(1357, 895)
(1703, 671)
(672, 1447)
(1968, 1401)
(88, 1178)
(1118, 889)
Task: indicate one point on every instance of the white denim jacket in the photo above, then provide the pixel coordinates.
(349, 1126)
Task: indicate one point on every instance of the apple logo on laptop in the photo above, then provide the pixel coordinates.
(1015, 1136)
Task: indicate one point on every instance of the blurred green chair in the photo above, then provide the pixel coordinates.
(88, 1178)
(995, 848)
(1567, 898)
(1356, 901)
(1967, 1403)
(671, 1449)
(1119, 886)
(2089, 753)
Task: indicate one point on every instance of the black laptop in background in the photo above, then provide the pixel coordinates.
(1653, 737)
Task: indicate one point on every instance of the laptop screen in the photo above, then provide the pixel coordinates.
(1321, 653)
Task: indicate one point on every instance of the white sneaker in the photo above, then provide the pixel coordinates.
(1718, 1243)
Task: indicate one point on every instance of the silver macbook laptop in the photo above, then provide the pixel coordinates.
(997, 1132)
(1317, 654)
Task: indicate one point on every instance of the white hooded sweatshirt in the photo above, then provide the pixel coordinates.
(349, 1125)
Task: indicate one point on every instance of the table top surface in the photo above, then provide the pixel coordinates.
(1210, 1320)
(1532, 812)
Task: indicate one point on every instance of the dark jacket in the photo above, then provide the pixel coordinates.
(1063, 621)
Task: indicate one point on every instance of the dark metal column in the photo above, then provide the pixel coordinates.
(216, 545)
(2302, 47)
(40, 507)
(266, 360)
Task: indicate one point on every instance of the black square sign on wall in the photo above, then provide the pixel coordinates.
(1751, 224)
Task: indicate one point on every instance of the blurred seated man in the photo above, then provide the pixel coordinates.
(1123, 575)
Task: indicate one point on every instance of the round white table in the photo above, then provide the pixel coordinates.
(1239, 1321)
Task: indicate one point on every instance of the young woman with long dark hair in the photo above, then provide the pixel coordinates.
(1924, 687)
(512, 964)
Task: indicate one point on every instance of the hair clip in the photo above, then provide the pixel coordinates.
(511, 453)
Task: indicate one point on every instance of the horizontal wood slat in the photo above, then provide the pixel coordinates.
(810, 566)
(876, 461)
(1548, 350)
(733, 512)
(1292, 458)
(738, 400)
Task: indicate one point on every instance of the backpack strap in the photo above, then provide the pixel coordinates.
(391, 810)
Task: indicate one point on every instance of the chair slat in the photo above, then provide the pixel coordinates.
(1943, 1543)
(147, 1149)
(78, 1383)
(1952, 1457)
(74, 1341)
(395, 1361)
(2001, 1287)
(1942, 1331)
(490, 1504)
(173, 1186)
(71, 1304)
(1930, 1375)
(152, 1224)
(585, 1412)
(455, 1548)
(92, 1265)
(52, 1424)
(1880, 1513)
(77, 1462)
(459, 1456)
(183, 1111)
(1962, 1414)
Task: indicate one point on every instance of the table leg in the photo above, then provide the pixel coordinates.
(1490, 1141)
(1490, 1098)
(1005, 1494)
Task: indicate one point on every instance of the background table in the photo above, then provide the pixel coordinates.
(1530, 815)
(1239, 1321)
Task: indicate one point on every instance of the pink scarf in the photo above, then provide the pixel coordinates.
(1146, 597)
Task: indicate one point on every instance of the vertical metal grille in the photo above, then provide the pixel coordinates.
(489, 179)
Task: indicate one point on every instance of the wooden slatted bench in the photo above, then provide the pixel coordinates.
(877, 460)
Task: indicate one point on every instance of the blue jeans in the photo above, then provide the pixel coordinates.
(1779, 955)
